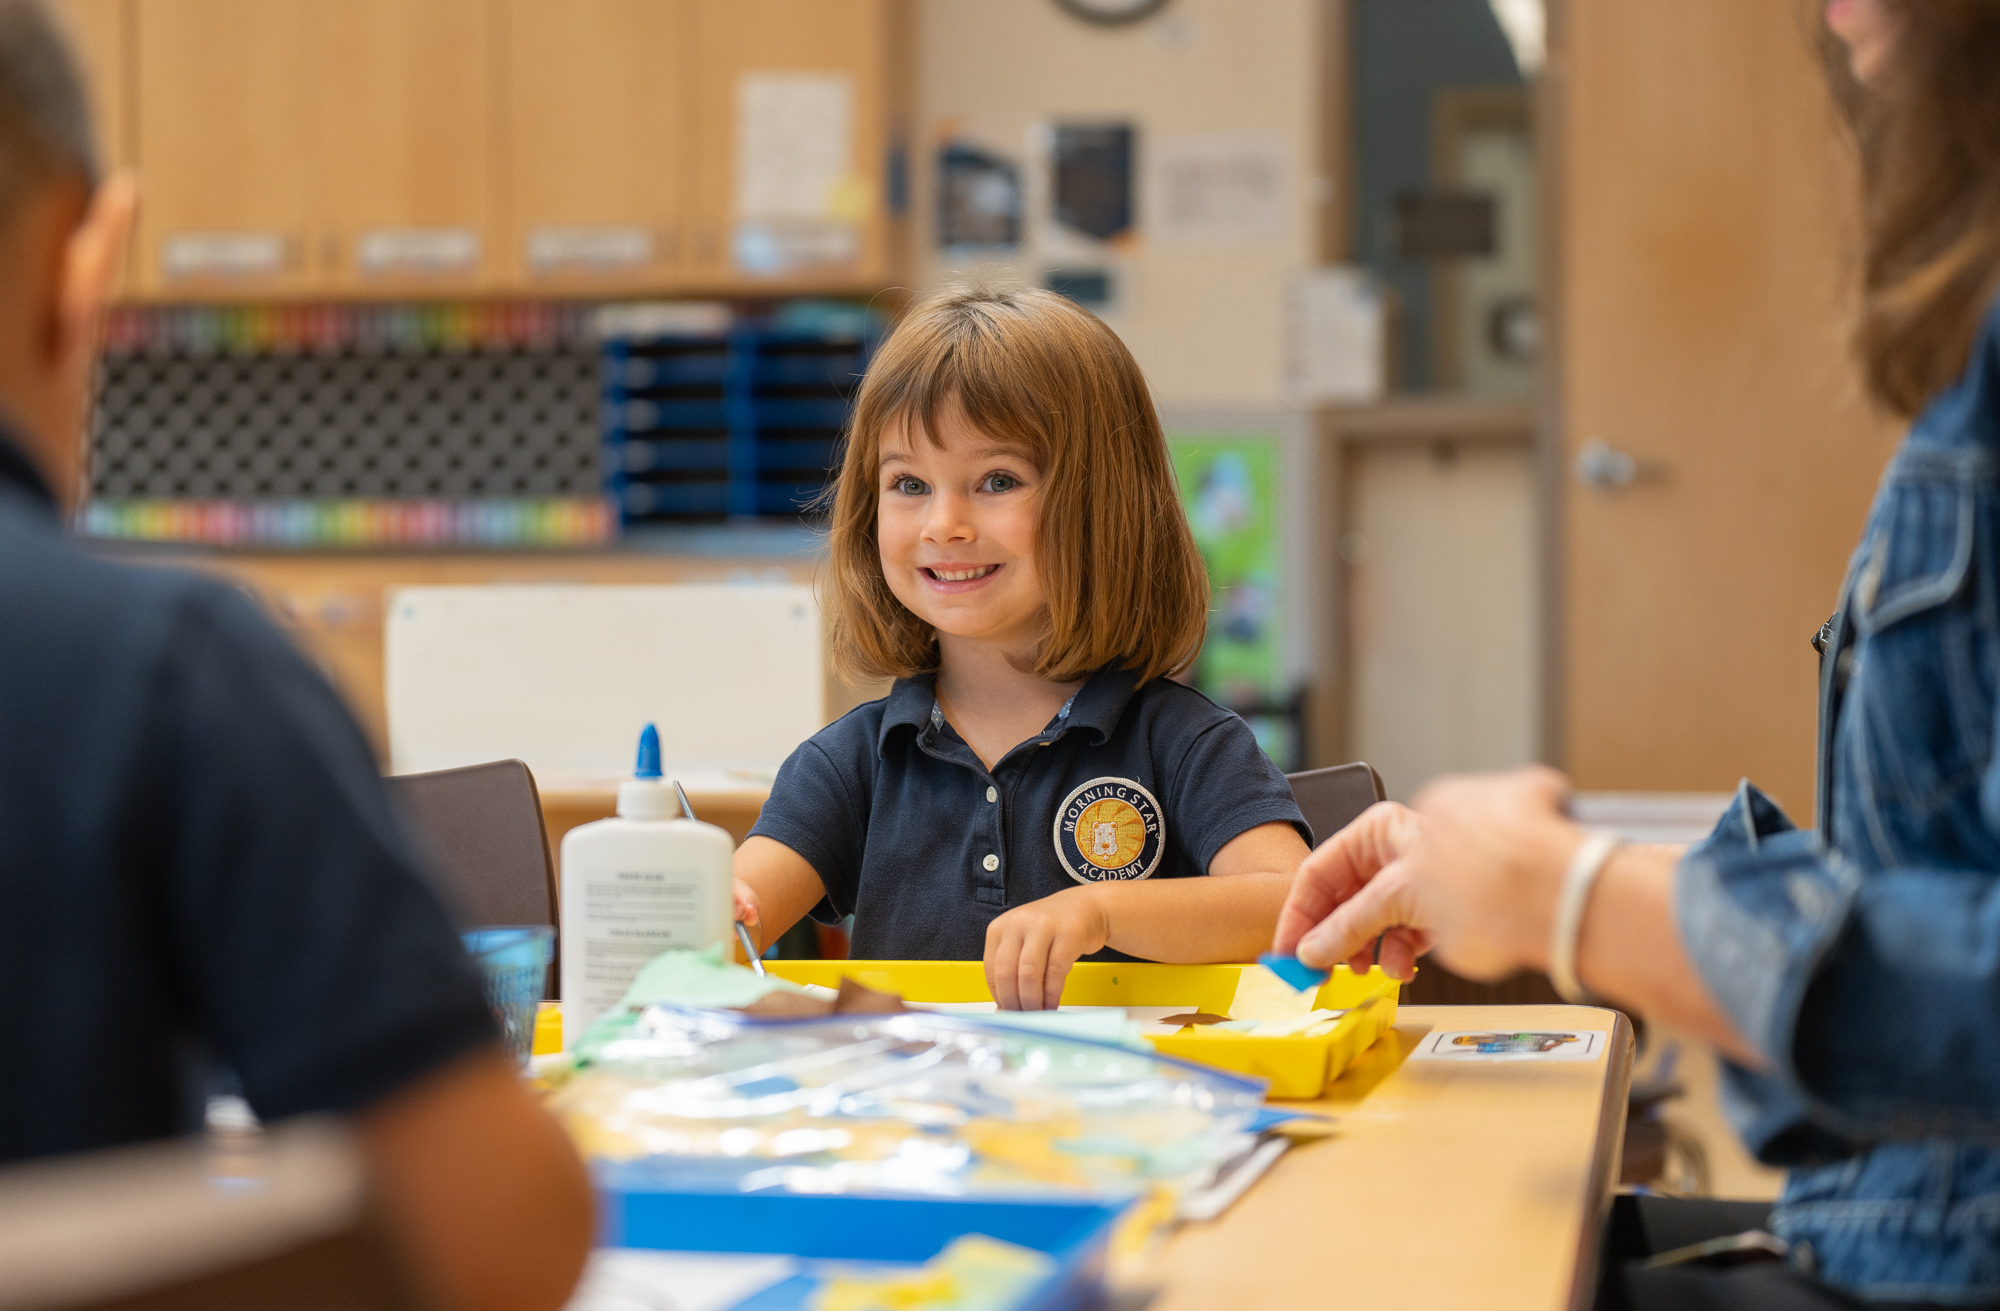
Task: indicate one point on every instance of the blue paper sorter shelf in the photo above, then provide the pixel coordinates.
(714, 427)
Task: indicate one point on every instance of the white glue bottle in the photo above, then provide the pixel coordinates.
(635, 886)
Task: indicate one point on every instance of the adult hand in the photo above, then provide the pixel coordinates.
(1475, 871)
(1352, 889)
(1029, 949)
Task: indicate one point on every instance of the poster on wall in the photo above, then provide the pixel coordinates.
(1090, 170)
(979, 198)
(1216, 189)
(1229, 485)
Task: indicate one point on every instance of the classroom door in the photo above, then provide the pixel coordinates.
(1705, 238)
(597, 120)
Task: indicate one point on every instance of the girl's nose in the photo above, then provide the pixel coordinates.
(949, 519)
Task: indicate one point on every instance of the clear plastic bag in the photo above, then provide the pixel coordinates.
(912, 1103)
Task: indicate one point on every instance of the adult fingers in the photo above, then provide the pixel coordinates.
(1384, 903)
(1400, 949)
(1340, 866)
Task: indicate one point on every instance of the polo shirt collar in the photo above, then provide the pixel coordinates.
(19, 473)
(910, 702)
(1097, 706)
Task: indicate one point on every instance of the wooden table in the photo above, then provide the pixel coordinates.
(570, 800)
(1446, 1186)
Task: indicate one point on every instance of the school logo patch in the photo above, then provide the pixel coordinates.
(1110, 828)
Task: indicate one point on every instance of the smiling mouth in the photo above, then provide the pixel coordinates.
(964, 575)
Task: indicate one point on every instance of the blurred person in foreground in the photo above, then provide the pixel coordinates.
(199, 867)
(1851, 976)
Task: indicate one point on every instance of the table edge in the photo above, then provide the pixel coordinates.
(1606, 1160)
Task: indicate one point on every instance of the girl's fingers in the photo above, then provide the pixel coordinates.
(1030, 968)
(1055, 976)
(1000, 971)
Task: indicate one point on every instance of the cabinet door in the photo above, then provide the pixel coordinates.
(596, 112)
(791, 142)
(96, 29)
(402, 145)
(224, 97)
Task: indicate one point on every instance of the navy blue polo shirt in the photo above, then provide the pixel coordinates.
(199, 865)
(912, 835)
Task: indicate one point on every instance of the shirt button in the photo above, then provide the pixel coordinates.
(992, 862)
(992, 794)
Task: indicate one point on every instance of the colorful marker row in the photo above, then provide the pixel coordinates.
(561, 521)
(257, 329)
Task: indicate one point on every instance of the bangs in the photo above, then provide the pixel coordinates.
(970, 370)
(1121, 578)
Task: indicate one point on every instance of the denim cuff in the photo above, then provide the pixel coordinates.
(1759, 903)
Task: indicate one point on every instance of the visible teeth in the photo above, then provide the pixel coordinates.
(962, 575)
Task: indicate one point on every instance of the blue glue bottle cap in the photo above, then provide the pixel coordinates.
(647, 795)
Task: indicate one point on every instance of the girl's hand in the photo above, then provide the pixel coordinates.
(746, 903)
(1029, 949)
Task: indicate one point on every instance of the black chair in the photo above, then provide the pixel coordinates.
(148, 1229)
(481, 826)
(1331, 799)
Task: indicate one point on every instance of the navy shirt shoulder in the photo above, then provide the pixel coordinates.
(202, 865)
(920, 842)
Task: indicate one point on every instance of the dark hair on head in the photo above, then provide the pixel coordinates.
(45, 125)
(1929, 133)
(1124, 582)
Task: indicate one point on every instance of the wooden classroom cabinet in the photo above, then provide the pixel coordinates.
(403, 145)
(408, 149)
(97, 29)
(781, 74)
(222, 94)
(598, 112)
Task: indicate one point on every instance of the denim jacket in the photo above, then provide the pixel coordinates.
(1863, 960)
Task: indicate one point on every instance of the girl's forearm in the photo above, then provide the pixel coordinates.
(1193, 921)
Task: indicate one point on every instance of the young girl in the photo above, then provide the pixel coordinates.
(1007, 544)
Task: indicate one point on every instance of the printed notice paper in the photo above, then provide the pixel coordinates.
(1509, 1045)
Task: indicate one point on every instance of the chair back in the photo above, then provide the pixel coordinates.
(151, 1228)
(1333, 798)
(482, 827)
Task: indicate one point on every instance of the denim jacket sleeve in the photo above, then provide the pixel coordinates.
(1874, 1000)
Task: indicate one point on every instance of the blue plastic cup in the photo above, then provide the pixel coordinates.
(516, 961)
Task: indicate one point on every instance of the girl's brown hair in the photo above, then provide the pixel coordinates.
(1930, 157)
(1123, 580)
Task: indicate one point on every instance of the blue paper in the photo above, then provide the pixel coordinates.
(1288, 968)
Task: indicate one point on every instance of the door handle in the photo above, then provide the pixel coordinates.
(1604, 467)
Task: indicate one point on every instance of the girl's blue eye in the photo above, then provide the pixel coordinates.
(1002, 482)
(909, 486)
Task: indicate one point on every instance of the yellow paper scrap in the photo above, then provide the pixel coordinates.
(1263, 996)
(974, 1273)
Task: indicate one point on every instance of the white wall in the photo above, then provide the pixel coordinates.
(1204, 321)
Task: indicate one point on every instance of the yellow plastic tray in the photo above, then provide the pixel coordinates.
(1296, 1067)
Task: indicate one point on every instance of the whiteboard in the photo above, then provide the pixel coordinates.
(565, 677)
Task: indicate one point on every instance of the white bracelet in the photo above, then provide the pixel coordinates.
(1578, 880)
